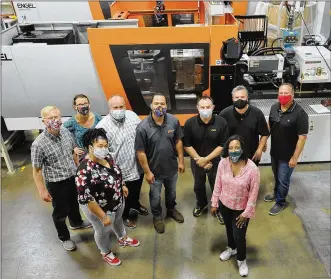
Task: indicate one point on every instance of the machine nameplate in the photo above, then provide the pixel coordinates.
(4, 57)
(26, 6)
(254, 63)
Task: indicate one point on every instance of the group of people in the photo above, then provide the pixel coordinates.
(98, 164)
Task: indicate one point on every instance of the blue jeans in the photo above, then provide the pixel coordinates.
(282, 173)
(170, 194)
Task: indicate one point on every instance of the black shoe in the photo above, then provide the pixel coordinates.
(269, 197)
(85, 225)
(197, 211)
(158, 225)
(276, 209)
(130, 223)
(177, 216)
(141, 210)
(219, 217)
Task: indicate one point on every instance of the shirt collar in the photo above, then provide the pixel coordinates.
(51, 136)
(239, 115)
(211, 121)
(152, 122)
(290, 109)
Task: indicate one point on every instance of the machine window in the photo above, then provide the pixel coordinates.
(155, 21)
(187, 70)
(179, 19)
(149, 67)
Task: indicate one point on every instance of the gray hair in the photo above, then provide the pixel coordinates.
(238, 88)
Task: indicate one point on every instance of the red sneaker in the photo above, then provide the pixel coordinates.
(128, 242)
(111, 259)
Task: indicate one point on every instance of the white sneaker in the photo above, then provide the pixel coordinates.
(227, 254)
(69, 245)
(243, 268)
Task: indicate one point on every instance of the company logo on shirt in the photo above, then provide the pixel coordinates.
(213, 130)
(170, 131)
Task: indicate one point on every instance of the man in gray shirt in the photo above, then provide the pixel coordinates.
(158, 143)
(120, 125)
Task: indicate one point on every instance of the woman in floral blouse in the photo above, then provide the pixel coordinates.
(235, 193)
(101, 193)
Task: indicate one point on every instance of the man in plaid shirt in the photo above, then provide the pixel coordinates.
(120, 125)
(54, 167)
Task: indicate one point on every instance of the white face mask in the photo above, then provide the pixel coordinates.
(118, 114)
(206, 113)
(100, 153)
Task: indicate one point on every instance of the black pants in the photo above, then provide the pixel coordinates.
(65, 204)
(199, 175)
(236, 236)
(132, 201)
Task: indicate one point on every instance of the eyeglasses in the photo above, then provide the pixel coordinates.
(82, 105)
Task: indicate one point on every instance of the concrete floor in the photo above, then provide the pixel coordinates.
(278, 247)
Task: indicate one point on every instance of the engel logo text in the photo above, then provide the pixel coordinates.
(25, 6)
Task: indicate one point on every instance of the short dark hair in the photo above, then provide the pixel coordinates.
(80, 96)
(158, 94)
(289, 85)
(225, 152)
(205, 98)
(92, 135)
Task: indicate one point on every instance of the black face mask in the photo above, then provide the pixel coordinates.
(84, 110)
(240, 104)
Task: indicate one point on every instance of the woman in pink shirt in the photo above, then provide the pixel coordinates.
(235, 193)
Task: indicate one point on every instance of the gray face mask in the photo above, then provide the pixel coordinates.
(205, 113)
(100, 153)
(118, 114)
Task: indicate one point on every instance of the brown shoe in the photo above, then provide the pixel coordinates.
(130, 223)
(176, 215)
(158, 225)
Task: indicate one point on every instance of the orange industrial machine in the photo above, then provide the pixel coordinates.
(170, 13)
(181, 62)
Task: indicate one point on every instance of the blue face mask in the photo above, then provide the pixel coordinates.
(159, 111)
(235, 155)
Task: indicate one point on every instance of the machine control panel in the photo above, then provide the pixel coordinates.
(312, 65)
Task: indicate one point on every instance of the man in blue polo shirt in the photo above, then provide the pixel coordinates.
(158, 143)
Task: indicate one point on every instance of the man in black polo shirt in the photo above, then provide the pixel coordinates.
(289, 128)
(204, 137)
(248, 121)
(158, 143)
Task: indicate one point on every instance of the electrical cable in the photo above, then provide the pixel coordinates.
(271, 81)
(266, 49)
(313, 39)
(272, 44)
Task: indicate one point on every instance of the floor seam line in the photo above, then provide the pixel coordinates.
(18, 268)
(155, 255)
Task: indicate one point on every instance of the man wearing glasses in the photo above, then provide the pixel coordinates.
(288, 128)
(54, 169)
